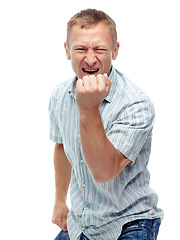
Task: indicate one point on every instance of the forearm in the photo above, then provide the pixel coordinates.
(62, 173)
(102, 158)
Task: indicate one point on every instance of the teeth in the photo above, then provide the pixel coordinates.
(90, 70)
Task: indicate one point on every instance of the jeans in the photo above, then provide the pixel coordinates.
(64, 236)
(145, 229)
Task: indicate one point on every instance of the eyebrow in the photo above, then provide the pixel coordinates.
(96, 47)
(79, 46)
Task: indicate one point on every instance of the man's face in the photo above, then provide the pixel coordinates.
(91, 50)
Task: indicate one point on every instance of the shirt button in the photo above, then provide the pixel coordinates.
(82, 161)
(83, 185)
(83, 228)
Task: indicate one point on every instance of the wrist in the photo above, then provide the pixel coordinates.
(59, 198)
(89, 114)
(59, 202)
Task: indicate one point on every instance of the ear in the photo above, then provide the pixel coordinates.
(115, 51)
(68, 55)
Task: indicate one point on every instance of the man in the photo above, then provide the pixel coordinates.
(102, 125)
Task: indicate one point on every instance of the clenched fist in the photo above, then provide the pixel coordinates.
(60, 215)
(91, 91)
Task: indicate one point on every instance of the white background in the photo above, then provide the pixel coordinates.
(33, 62)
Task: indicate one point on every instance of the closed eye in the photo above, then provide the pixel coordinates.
(80, 49)
(101, 50)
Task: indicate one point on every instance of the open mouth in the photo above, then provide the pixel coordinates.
(90, 71)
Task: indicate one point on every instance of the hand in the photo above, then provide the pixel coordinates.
(91, 91)
(60, 215)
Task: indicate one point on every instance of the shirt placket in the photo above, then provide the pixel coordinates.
(84, 191)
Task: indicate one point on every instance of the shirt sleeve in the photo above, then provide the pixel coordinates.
(132, 128)
(55, 134)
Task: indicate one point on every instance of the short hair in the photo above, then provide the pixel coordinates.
(91, 17)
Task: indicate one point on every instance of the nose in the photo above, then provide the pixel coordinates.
(90, 57)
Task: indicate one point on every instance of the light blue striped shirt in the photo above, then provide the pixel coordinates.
(99, 210)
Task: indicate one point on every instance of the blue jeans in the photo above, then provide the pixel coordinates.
(145, 229)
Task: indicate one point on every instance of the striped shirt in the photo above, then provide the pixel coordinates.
(99, 210)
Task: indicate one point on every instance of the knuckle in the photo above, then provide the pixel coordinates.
(56, 219)
(86, 78)
(92, 78)
(99, 75)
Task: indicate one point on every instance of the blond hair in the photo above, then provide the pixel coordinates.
(91, 17)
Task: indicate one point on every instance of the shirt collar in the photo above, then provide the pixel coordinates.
(112, 77)
(72, 88)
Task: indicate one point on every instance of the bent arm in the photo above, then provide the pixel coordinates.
(104, 161)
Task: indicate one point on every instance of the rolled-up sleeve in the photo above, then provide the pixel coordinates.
(132, 128)
(54, 125)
